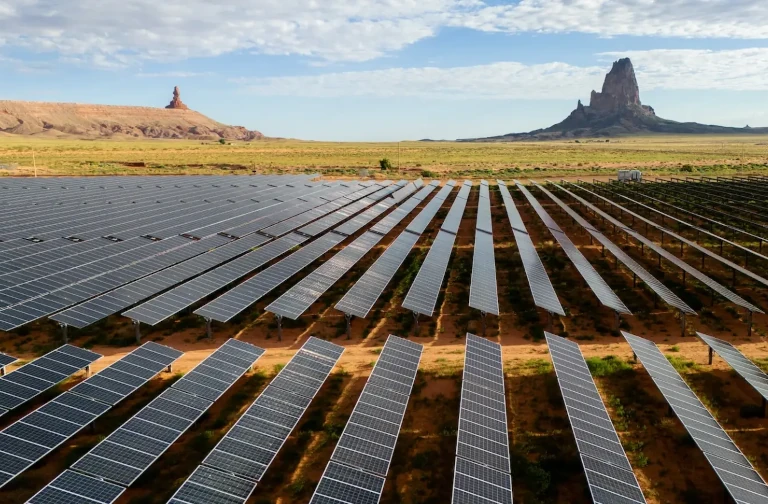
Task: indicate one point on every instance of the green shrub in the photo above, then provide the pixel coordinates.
(385, 164)
(607, 365)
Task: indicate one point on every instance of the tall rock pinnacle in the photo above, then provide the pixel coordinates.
(176, 103)
(620, 89)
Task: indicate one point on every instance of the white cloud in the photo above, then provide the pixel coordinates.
(733, 70)
(120, 33)
(736, 70)
(508, 80)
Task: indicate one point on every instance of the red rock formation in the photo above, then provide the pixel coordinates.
(176, 103)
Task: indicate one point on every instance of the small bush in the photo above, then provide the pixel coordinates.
(222, 141)
(607, 365)
(385, 164)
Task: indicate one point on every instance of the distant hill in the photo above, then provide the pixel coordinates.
(79, 120)
(616, 111)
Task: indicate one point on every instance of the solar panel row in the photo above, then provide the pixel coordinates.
(659, 288)
(232, 469)
(596, 283)
(698, 275)
(482, 472)
(543, 292)
(742, 482)
(33, 378)
(129, 451)
(360, 462)
(359, 300)
(37, 434)
(609, 474)
(743, 366)
(483, 293)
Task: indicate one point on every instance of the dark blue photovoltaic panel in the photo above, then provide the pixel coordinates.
(605, 464)
(246, 451)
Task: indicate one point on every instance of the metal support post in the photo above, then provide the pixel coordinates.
(88, 370)
(682, 324)
(279, 327)
(208, 332)
(137, 331)
(749, 333)
(681, 249)
(348, 318)
(64, 332)
(617, 320)
(634, 279)
(415, 322)
(711, 355)
(2, 371)
(482, 316)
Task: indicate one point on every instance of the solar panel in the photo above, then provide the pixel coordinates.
(425, 289)
(70, 488)
(743, 366)
(482, 291)
(359, 300)
(688, 242)
(389, 222)
(659, 288)
(6, 360)
(596, 283)
(740, 479)
(453, 219)
(605, 463)
(544, 295)
(37, 434)
(482, 471)
(421, 221)
(360, 462)
(247, 450)
(129, 451)
(33, 378)
(698, 275)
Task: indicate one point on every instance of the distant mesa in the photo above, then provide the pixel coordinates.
(176, 103)
(616, 111)
(66, 120)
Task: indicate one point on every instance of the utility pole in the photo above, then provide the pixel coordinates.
(34, 163)
(398, 156)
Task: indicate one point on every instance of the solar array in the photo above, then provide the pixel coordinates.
(228, 305)
(34, 436)
(743, 366)
(596, 283)
(294, 302)
(695, 273)
(425, 289)
(34, 378)
(543, 292)
(360, 462)
(231, 471)
(609, 474)
(742, 482)
(703, 250)
(112, 302)
(359, 300)
(659, 288)
(68, 265)
(483, 293)
(482, 472)
(129, 451)
(166, 305)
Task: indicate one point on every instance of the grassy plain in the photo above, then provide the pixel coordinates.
(660, 155)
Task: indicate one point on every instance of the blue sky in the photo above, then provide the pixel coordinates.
(387, 70)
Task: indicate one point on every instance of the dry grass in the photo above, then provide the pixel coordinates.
(660, 155)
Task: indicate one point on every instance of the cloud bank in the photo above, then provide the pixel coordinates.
(119, 33)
